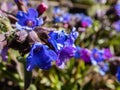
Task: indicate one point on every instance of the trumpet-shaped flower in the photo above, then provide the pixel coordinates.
(64, 45)
(40, 56)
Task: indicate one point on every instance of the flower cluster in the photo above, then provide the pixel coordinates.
(48, 47)
(60, 16)
(42, 56)
(96, 57)
(29, 20)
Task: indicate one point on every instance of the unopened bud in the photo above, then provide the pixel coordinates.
(42, 8)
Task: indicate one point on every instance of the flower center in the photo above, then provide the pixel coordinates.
(30, 23)
(96, 55)
(84, 24)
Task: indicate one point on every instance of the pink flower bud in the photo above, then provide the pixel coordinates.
(42, 8)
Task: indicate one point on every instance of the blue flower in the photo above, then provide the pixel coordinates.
(56, 10)
(66, 17)
(77, 52)
(40, 56)
(97, 59)
(79, 16)
(57, 39)
(64, 45)
(26, 1)
(58, 19)
(29, 20)
(86, 21)
(72, 37)
(96, 56)
(118, 74)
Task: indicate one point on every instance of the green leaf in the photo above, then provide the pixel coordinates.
(27, 79)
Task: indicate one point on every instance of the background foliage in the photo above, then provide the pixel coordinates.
(77, 75)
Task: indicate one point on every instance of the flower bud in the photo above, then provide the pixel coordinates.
(42, 8)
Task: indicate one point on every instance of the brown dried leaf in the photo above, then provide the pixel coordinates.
(21, 35)
(40, 31)
(43, 35)
(33, 37)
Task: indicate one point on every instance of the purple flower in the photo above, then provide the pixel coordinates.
(85, 54)
(64, 45)
(107, 53)
(63, 55)
(28, 20)
(101, 1)
(118, 74)
(3, 53)
(40, 56)
(16, 0)
(117, 9)
(116, 25)
(86, 21)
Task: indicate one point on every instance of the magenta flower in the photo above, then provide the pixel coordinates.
(85, 54)
(107, 53)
